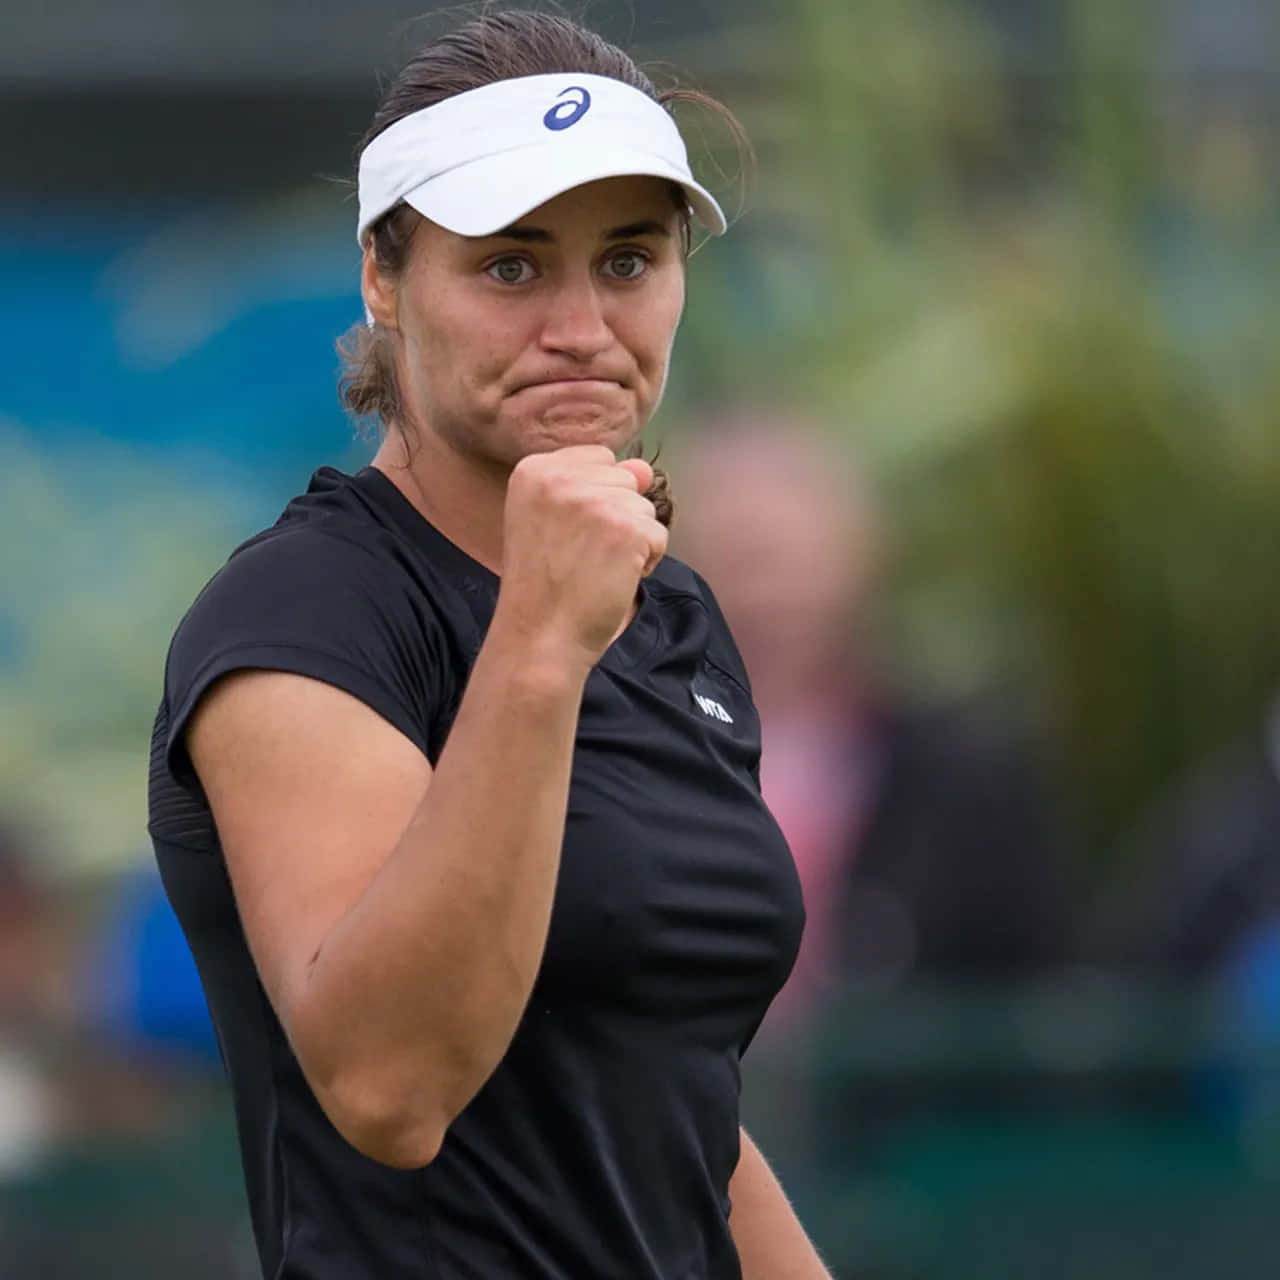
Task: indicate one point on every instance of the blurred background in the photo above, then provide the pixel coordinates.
(974, 425)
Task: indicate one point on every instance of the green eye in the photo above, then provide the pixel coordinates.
(626, 265)
(510, 270)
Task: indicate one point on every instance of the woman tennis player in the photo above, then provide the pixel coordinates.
(454, 782)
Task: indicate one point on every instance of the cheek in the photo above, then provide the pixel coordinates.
(660, 326)
(462, 350)
(482, 336)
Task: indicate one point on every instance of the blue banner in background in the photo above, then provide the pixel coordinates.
(181, 328)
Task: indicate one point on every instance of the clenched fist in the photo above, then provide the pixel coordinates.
(578, 536)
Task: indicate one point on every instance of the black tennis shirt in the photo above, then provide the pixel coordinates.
(602, 1146)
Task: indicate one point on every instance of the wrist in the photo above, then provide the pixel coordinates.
(540, 660)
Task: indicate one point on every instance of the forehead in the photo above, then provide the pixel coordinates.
(592, 211)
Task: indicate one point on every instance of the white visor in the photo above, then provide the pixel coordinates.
(478, 161)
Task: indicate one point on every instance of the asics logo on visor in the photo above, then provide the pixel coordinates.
(563, 114)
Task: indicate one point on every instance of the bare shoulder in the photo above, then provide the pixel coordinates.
(310, 791)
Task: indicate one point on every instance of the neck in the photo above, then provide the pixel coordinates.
(464, 501)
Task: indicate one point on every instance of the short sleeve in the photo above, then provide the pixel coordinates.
(318, 605)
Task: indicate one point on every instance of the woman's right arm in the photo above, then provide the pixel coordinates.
(397, 918)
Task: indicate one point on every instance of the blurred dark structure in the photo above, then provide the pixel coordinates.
(151, 100)
(1205, 884)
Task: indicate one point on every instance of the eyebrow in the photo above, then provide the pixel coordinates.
(536, 235)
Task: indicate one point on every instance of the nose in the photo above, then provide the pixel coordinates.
(576, 325)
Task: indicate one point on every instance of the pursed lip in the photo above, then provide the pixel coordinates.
(571, 382)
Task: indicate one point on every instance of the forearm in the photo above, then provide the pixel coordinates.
(416, 991)
(771, 1243)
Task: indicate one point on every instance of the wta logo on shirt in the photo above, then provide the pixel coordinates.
(563, 114)
(710, 707)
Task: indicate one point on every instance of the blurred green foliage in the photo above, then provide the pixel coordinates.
(1031, 289)
(105, 551)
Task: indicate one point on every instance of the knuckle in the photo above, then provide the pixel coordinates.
(526, 479)
(611, 517)
(528, 466)
(560, 484)
(546, 482)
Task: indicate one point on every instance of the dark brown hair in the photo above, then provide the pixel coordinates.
(494, 46)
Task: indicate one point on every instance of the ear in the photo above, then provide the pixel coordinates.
(379, 292)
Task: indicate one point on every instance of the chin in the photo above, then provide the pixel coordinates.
(559, 428)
